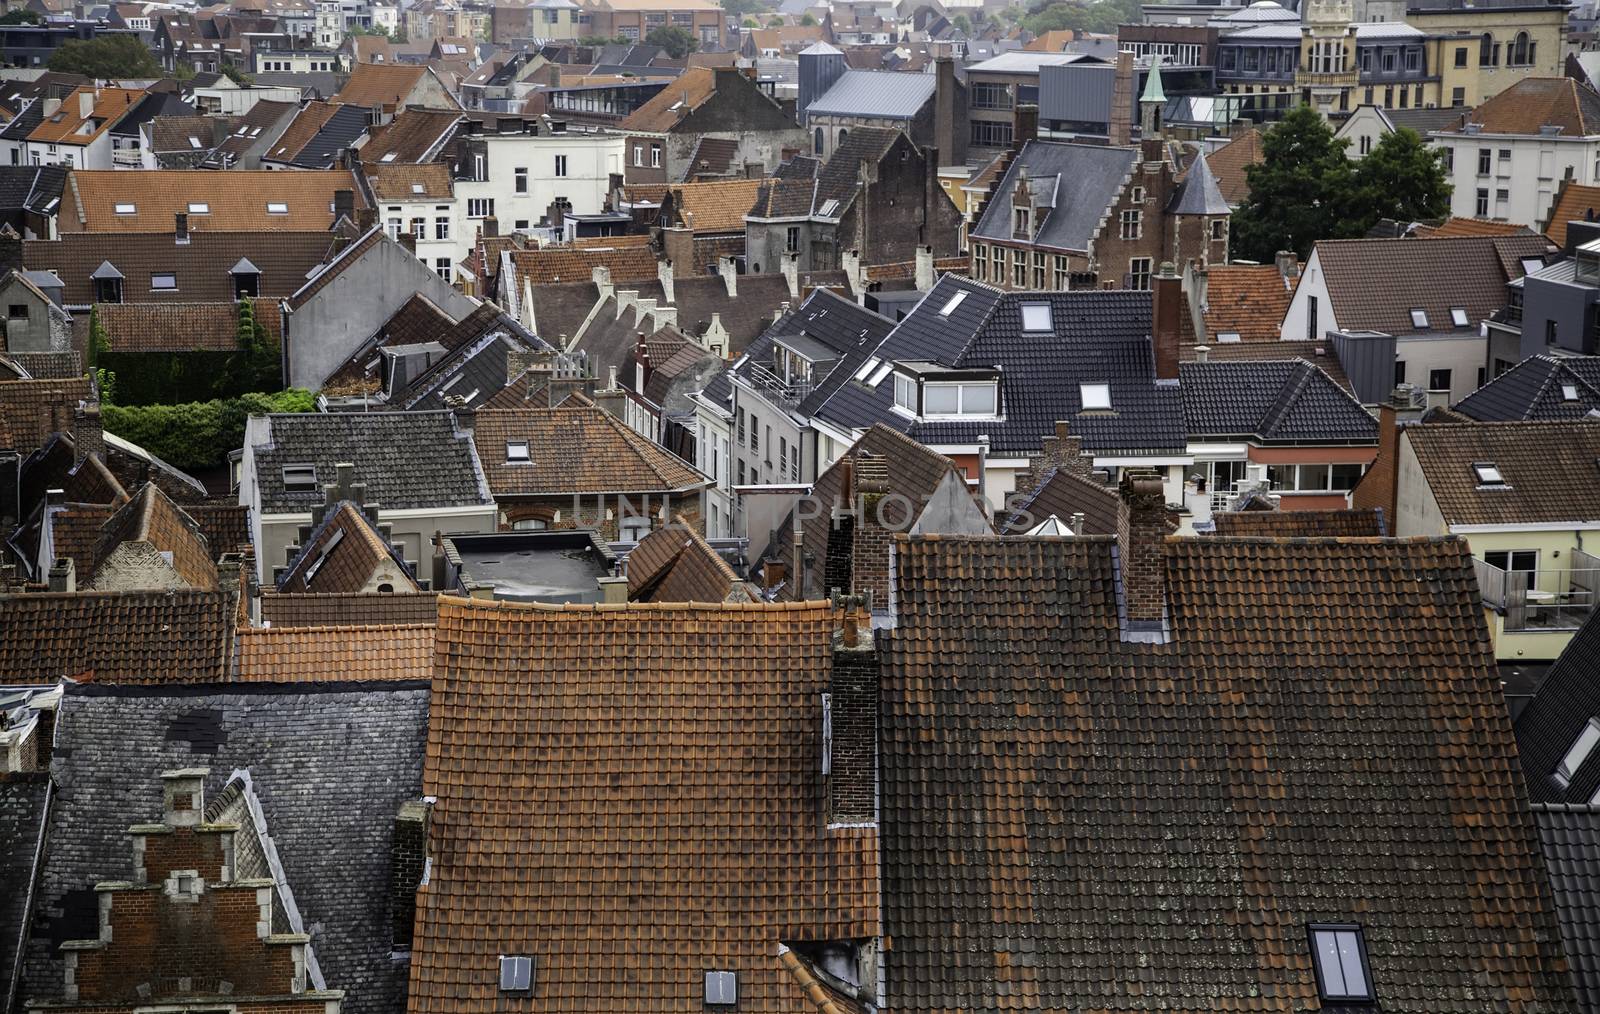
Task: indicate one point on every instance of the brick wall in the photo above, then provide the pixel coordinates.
(408, 857)
(182, 848)
(853, 690)
(1140, 552)
(1377, 488)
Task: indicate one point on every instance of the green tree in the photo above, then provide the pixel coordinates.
(749, 23)
(678, 42)
(109, 56)
(99, 343)
(237, 76)
(743, 8)
(809, 20)
(775, 22)
(961, 24)
(1400, 178)
(1299, 193)
(22, 16)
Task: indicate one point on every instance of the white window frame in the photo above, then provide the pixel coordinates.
(1571, 761)
(961, 388)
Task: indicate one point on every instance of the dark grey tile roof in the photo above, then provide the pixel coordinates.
(408, 460)
(478, 365)
(24, 122)
(343, 129)
(1567, 699)
(330, 764)
(848, 330)
(840, 176)
(1198, 194)
(1536, 389)
(22, 806)
(1569, 835)
(1086, 179)
(31, 187)
(1274, 401)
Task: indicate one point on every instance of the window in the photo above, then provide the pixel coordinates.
(1019, 269)
(17, 311)
(1550, 332)
(980, 263)
(990, 96)
(1137, 195)
(561, 165)
(1036, 317)
(1311, 318)
(741, 427)
(419, 228)
(1229, 338)
(905, 393)
(480, 207)
(1438, 380)
(517, 450)
(1130, 224)
(1019, 224)
(783, 457)
(1458, 316)
(755, 434)
(638, 154)
(1366, 144)
(300, 478)
(1488, 474)
(1485, 158)
(1523, 562)
(722, 989)
(1521, 52)
(199, 208)
(1578, 752)
(1481, 208)
(127, 209)
(520, 180)
(655, 156)
(277, 208)
(516, 974)
(941, 399)
(791, 241)
(1419, 319)
(1505, 156)
(1344, 477)
(1094, 397)
(1488, 52)
(1219, 229)
(632, 528)
(441, 267)
(1461, 56)
(953, 302)
(1341, 964)
(1569, 392)
(1060, 275)
(1458, 97)
(1139, 273)
(441, 227)
(1038, 269)
(164, 282)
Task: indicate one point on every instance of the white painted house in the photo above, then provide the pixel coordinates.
(515, 178)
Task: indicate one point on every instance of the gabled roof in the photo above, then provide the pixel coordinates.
(1061, 493)
(201, 266)
(314, 654)
(1551, 471)
(1198, 193)
(680, 98)
(152, 518)
(1570, 836)
(576, 448)
(414, 135)
(719, 746)
(329, 765)
(410, 182)
(349, 254)
(628, 258)
(118, 637)
(341, 555)
(237, 201)
(68, 126)
(1077, 183)
(1534, 103)
(417, 321)
(1457, 226)
(1303, 524)
(26, 407)
(1540, 388)
(839, 179)
(1574, 203)
(380, 84)
(265, 115)
(1287, 401)
(1005, 668)
(1562, 708)
(475, 365)
(674, 563)
(873, 94)
(1248, 300)
(711, 157)
(717, 206)
(315, 137)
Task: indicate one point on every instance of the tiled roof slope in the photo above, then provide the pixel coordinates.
(399, 181)
(1374, 284)
(151, 517)
(385, 84)
(340, 556)
(330, 765)
(675, 564)
(1316, 353)
(1246, 299)
(1530, 105)
(628, 259)
(1453, 226)
(1303, 524)
(1077, 182)
(1287, 401)
(413, 135)
(170, 327)
(1061, 494)
(315, 609)
(1231, 162)
(1169, 785)
(718, 206)
(1537, 389)
(576, 448)
(202, 267)
(117, 637)
(685, 94)
(26, 408)
(1570, 836)
(1546, 729)
(1551, 471)
(1574, 203)
(226, 526)
(22, 810)
(310, 654)
(408, 460)
(237, 200)
(644, 802)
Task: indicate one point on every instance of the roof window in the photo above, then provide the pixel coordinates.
(418, 188)
(1340, 955)
(164, 281)
(722, 988)
(126, 209)
(277, 208)
(300, 478)
(867, 367)
(389, 157)
(877, 377)
(1531, 264)
(517, 450)
(516, 973)
(1578, 752)
(1228, 338)
(1488, 473)
(953, 302)
(1035, 316)
(1419, 318)
(1569, 392)
(1458, 316)
(1094, 397)
(829, 207)
(322, 557)
(194, 142)
(199, 208)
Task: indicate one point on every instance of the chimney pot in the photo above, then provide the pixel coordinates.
(63, 575)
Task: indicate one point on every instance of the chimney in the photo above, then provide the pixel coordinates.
(441, 572)
(664, 276)
(465, 418)
(1202, 353)
(945, 137)
(86, 99)
(754, 170)
(408, 861)
(52, 106)
(1377, 489)
(63, 575)
(1121, 126)
(1077, 522)
(344, 204)
(1288, 264)
(613, 590)
(728, 268)
(180, 227)
(601, 276)
(183, 796)
(924, 271)
(1167, 308)
(850, 720)
(612, 399)
(491, 227)
(1024, 124)
(855, 272)
(408, 241)
(88, 435)
(1139, 551)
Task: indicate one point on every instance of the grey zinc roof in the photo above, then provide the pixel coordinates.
(1096, 174)
(409, 460)
(1198, 194)
(876, 93)
(330, 763)
(1025, 62)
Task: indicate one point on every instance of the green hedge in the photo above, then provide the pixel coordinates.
(156, 378)
(197, 434)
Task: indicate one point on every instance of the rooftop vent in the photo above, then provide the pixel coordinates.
(300, 478)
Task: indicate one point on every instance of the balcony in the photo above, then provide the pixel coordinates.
(127, 158)
(774, 387)
(1543, 599)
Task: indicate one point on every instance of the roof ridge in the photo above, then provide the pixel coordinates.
(575, 609)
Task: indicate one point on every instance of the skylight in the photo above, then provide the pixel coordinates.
(1035, 316)
(1488, 474)
(1578, 752)
(390, 157)
(163, 280)
(1569, 392)
(127, 209)
(322, 557)
(277, 208)
(1531, 264)
(953, 302)
(1228, 338)
(199, 208)
(1094, 397)
(829, 207)
(877, 378)
(194, 142)
(1419, 318)
(867, 367)
(722, 989)
(1341, 957)
(516, 973)
(418, 188)
(517, 450)
(300, 478)
(1458, 316)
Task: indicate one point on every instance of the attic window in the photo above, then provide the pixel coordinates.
(1419, 318)
(1228, 338)
(1035, 316)
(954, 301)
(322, 557)
(517, 450)
(199, 208)
(829, 207)
(867, 367)
(1095, 397)
(722, 989)
(300, 478)
(1569, 392)
(1578, 752)
(1341, 964)
(163, 282)
(1531, 264)
(516, 973)
(1458, 316)
(390, 157)
(127, 209)
(194, 142)
(1488, 473)
(277, 208)
(877, 378)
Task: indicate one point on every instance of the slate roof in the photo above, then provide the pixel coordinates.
(316, 136)
(340, 555)
(31, 187)
(1198, 193)
(1084, 180)
(1288, 401)
(842, 325)
(875, 95)
(577, 447)
(1551, 471)
(201, 266)
(237, 201)
(1249, 300)
(675, 564)
(1298, 524)
(314, 609)
(329, 764)
(23, 800)
(1374, 284)
(675, 828)
(1234, 740)
(1536, 389)
(311, 654)
(409, 460)
(117, 637)
(1563, 706)
(1529, 105)
(264, 115)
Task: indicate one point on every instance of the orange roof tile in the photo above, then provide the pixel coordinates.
(576, 448)
(1473, 227)
(67, 125)
(627, 261)
(672, 103)
(305, 654)
(1534, 103)
(380, 84)
(1247, 299)
(1575, 203)
(400, 182)
(1229, 162)
(235, 201)
(719, 206)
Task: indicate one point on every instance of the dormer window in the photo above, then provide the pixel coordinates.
(517, 451)
(959, 399)
(199, 208)
(1023, 215)
(1419, 319)
(905, 393)
(1036, 316)
(1488, 474)
(300, 478)
(1458, 316)
(1578, 752)
(1095, 397)
(1340, 957)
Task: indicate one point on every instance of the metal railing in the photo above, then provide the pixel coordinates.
(774, 386)
(1551, 599)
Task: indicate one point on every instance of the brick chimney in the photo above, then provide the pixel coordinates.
(344, 204)
(63, 575)
(1378, 488)
(850, 721)
(88, 435)
(946, 118)
(1139, 552)
(1024, 124)
(1167, 309)
(1062, 452)
(1121, 126)
(408, 857)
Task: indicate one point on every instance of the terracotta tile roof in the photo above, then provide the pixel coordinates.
(237, 201)
(1061, 808)
(1282, 524)
(672, 103)
(1574, 203)
(1229, 162)
(1246, 299)
(576, 448)
(75, 532)
(1530, 105)
(152, 518)
(711, 207)
(179, 133)
(417, 320)
(307, 654)
(27, 408)
(675, 564)
(642, 801)
(414, 135)
(118, 637)
(202, 266)
(315, 609)
(1551, 471)
(380, 84)
(629, 258)
(342, 555)
(67, 126)
(1454, 226)
(314, 136)
(651, 193)
(399, 182)
(170, 327)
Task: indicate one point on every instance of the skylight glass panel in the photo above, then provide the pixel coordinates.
(1488, 474)
(1419, 318)
(867, 367)
(1458, 316)
(953, 302)
(1569, 392)
(277, 208)
(418, 188)
(877, 378)
(199, 208)
(1531, 264)
(127, 209)
(1341, 958)
(829, 207)
(388, 158)
(722, 989)
(300, 478)
(516, 973)
(1228, 338)
(517, 450)
(194, 142)
(1035, 316)
(163, 280)
(1094, 397)
(1578, 752)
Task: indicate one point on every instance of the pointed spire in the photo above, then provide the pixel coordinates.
(1153, 91)
(1199, 194)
